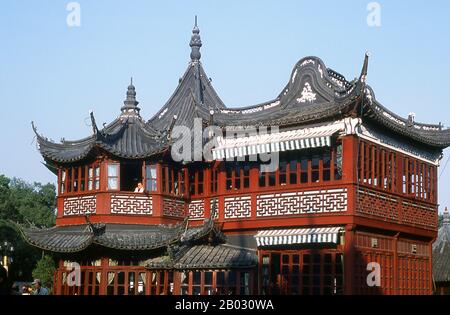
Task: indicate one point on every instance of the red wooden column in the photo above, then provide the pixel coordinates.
(254, 185)
(350, 148)
(207, 180)
(176, 283)
(430, 266)
(349, 258)
(57, 281)
(349, 159)
(60, 206)
(221, 190)
(104, 276)
(395, 273)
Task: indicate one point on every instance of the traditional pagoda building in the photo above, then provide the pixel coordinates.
(441, 258)
(354, 184)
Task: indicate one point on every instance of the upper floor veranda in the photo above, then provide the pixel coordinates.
(351, 180)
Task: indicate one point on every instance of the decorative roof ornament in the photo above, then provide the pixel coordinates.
(307, 94)
(411, 117)
(130, 104)
(363, 75)
(195, 43)
(94, 124)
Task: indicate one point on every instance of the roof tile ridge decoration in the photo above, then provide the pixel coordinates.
(336, 84)
(370, 96)
(86, 140)
(46, 147)
(430, 134)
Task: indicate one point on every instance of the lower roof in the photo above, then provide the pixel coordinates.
(441, 252)
(70, 239)
(222, 256)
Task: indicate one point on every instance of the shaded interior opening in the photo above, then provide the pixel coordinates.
(130, 175)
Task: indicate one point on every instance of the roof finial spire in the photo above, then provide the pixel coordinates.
(195, 42)
(446, 216)
(130, 103)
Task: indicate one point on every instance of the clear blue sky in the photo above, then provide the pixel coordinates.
(54, 74)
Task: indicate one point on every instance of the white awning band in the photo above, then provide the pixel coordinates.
(298, 236)
(276, 142)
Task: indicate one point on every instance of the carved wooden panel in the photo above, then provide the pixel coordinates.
(237, 207)
(131, 204)
(214, 202)
(173, 207)
(417, 214)
(79, 205)
(197, 209)
(302, 202)
(395, 209)
(377, 204)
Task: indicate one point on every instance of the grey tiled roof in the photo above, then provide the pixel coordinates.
(135, 237)
(441, 252)
(125, 137)
(60, 239)
(314, 93)
(208, 256)
(117, 236)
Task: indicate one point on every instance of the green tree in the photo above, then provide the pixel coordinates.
(44, 270)
(24, 203)
(8, 211)
(35, 203)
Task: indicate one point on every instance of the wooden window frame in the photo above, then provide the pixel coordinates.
(194, 182)
(95, 178)
(214, 180)
(240, 178)
(284, 280)
(66, 186)
(117, 164)
(174, 180)
(299, 168)
(154, 180)
(394, 172)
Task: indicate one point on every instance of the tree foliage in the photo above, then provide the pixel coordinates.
(44, 270)
(24, 203)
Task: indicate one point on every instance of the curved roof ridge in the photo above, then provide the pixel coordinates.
(332, 79)
(42, 138)
(397, 116)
